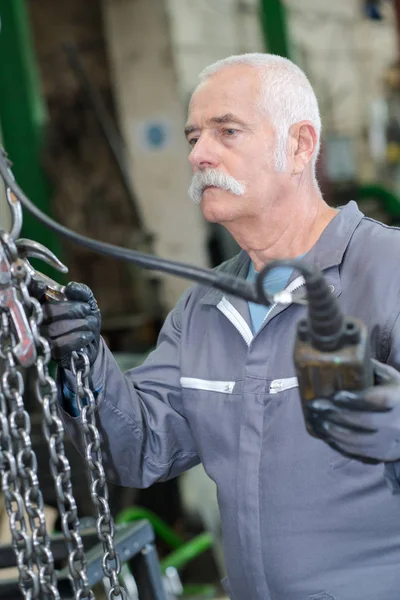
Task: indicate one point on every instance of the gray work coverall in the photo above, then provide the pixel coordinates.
(299, 521)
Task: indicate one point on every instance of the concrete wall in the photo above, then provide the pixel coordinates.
(204, 31)
(152, 118)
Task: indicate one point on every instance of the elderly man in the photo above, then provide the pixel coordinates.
(300, 520)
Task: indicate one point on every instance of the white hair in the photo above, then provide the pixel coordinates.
(287, 97)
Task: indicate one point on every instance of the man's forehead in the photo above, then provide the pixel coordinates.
(225, 92)
(227, 86)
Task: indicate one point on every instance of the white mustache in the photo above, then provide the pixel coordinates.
(215, 178)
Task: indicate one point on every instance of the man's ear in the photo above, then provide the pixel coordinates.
(303, 143)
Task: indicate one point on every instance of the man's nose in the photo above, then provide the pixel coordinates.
(204, 154)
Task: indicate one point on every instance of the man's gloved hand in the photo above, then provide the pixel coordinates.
(71, 324)
(363, 425)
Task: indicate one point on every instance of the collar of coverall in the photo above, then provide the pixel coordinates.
(327, 252)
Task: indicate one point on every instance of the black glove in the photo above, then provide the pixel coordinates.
(363, 425)
(71, 324)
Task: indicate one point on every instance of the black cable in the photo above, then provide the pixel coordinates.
(222, 281)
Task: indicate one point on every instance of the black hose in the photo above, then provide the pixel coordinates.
(222, 281)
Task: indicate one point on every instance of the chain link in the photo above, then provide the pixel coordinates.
(111, 562)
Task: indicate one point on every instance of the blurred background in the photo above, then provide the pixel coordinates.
(93, 100)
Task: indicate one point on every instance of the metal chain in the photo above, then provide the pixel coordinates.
(46, 394)
(111, 563)
(12, 384)
(20, 539)
(26, 464)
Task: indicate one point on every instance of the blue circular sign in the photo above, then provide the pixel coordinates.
(156, 135)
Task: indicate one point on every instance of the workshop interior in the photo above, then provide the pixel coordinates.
(93, 104)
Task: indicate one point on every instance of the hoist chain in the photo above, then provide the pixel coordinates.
(19, 428)
(111, 563)
(46, 393)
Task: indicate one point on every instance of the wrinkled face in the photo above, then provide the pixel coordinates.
(232, 147)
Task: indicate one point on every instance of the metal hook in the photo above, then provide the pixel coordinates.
(24, 350)
(16, 213)
(29, 248)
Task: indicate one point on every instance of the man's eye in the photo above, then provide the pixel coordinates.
(192, 141)
(230, 132)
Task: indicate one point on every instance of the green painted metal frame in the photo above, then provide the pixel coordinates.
(274, 24)
(23, 115)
